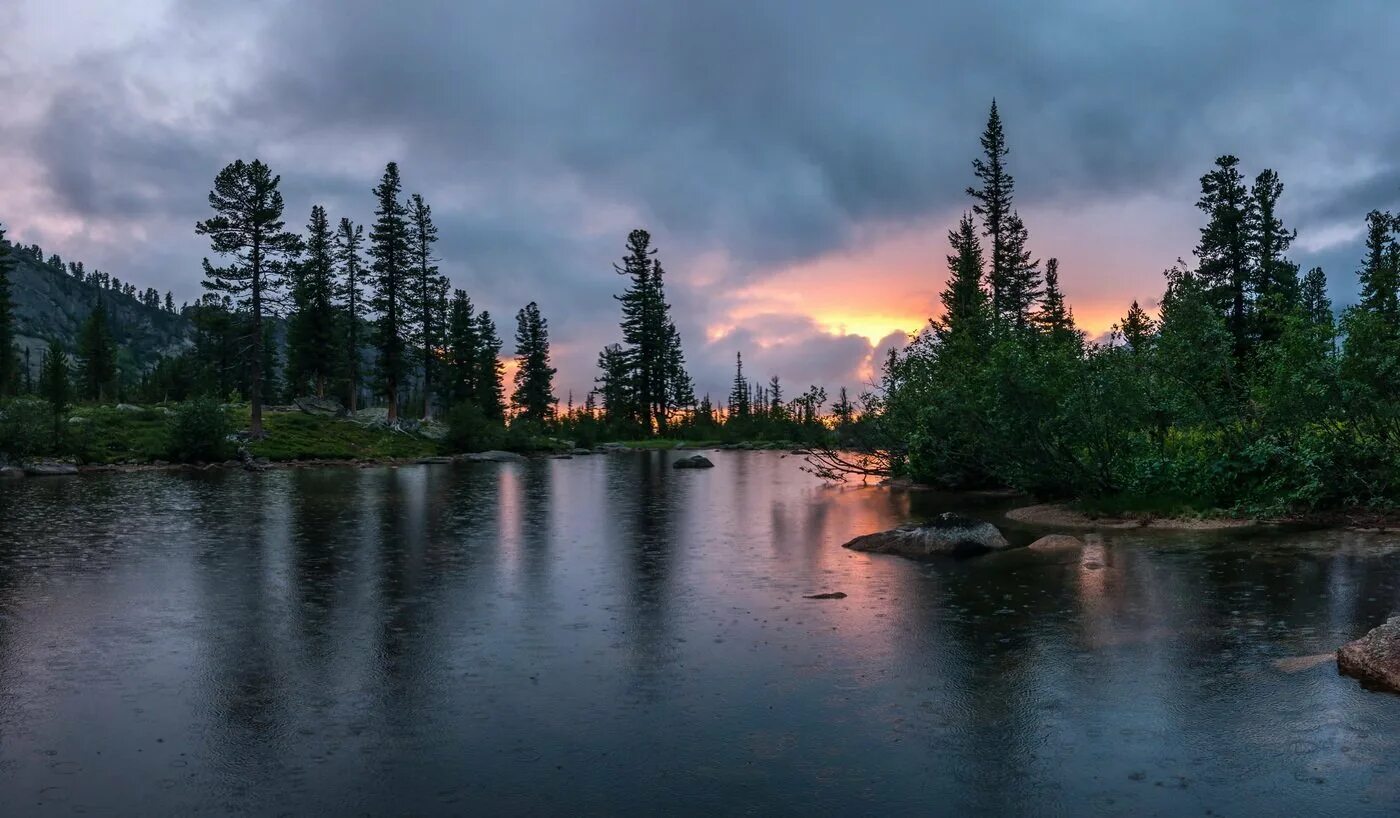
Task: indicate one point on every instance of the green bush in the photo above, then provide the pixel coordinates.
(199, 432)
(26, 428)
(469, 430)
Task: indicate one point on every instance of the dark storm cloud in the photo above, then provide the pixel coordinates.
(770, 132)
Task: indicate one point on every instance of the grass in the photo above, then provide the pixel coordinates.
(106, 435)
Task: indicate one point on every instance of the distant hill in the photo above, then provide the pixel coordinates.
(51, 304)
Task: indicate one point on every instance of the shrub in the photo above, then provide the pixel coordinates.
(199, 431)
(26, 428)
(469, 430)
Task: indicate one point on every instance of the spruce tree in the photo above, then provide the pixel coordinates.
(1137, 328)
(1223, 249)
(739, 402)
(1013, 275)
(653, 344)
(54, 385)
(1317, 307)
(348, 239)
(966, 316)
(533, 397)
(389, 248)
(426, 294)
(247, 229)
(463, 351)
(97, 357)
(312, 330)
(1054, 319)
(1379, 274)
(1275, 282)
(9, 358)
(615, 385)
(490, 391)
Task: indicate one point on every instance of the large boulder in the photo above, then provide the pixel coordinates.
(49, 469)
(948, 535)
(695, 461)
(1375, 657)
(7, 472)
(324, 407)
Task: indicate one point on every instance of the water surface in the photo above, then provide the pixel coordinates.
(607, 635)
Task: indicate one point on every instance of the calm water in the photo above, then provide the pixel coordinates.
(606, 635)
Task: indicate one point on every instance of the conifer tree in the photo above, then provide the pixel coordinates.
(1054, 320)
(247, 229)
(427, 287)
(97, 357)
(490, 390)
(54, 385)
(463, 351)
(1223, 249)
(1013, 275)
(390, 250)
(614, 385)
(1380, 275)
(348, 239)
(1275, 283)
(653, 344)
(312, 331)
(9, 359)
(533, 397)
(1317, 307)
(739, 404)
(1137, 327)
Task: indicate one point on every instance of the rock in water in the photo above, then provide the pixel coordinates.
(493, 457)
(1375, 657)
(695, 461)
(831, 595)
(1056, 542)
(948, 535)
(49, 469)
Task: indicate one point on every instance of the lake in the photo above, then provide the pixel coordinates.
(606, 635)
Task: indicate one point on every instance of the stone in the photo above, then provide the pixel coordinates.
(7, 472)
(695, 461)
(323, 407)
(492, 457)
(127, 407)
(50, 469)
(948, 535)
(434, 459)
(830, 595)
(1375, 657)
(580, 452)
(1056, 542)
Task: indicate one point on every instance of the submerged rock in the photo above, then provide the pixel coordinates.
(493, 457)
(1056, 542)
(45, 469)
(948, 535)
(1375, 657)
(695, 461)
(831, 595)
(580, 452)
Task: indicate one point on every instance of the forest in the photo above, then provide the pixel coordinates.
(1239, 389)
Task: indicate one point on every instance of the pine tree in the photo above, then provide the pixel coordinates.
(533, 398)
(348, 239)
(390, 250)
(490, 390)
(653, 344)
(463, 351)
(1014, 276)
(615, 385)
(1224, 247)
(247, 229)
(54, 385)
(427, 287)
(169, 301)
(739, 402)
(775, 398)
(1275, 282)
(1137, 327)
(312, 331)
(97, 357)
(1379, 274)
(965, 306)
(9, 359)
(1054, 320)
(1317, 307)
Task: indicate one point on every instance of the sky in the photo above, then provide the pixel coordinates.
(798, 163)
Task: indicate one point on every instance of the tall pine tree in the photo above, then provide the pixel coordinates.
(247, 230)
(1013, 276)
(426, 292)
(533, 398)
(1223, 249)
(97, 357)
(312, 328)
(490, 390)
(9, 357)
(348, 239)
(389, 247)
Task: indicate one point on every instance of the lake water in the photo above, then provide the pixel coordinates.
(607, 635)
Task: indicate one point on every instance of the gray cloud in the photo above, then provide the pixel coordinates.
(771, 132)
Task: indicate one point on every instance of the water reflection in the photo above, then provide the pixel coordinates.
(607, 634)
